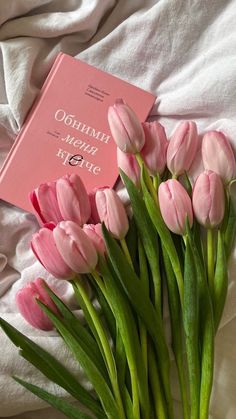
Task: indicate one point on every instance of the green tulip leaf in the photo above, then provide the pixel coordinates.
(137, 294)
(100, 385)
(51, 368)
(73, 324)
(128, 331)
(63, 406)
(147, 234)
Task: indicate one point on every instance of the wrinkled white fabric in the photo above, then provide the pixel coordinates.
(182, 51)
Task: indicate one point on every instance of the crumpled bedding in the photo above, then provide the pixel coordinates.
(184, 53)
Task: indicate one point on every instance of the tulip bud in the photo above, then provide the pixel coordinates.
(217, 155)
(155, 147)
(94, 232)
(182, 148)
(125, 127)
(128, 163)
(73, 199)
(75, 247)
(29, 308)
(175, 206)
(44, 248)
(44, 201)
(209, 199)
(94, 218)
(112, 212)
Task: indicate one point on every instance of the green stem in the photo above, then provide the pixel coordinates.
(131, 363)
(104, 342)
(126, 251)
(159, 403)
(176, 330)
(156, 182)
(210, 260)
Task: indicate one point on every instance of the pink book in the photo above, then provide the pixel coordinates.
(67, 130)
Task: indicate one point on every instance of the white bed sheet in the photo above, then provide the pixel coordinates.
(181, 50)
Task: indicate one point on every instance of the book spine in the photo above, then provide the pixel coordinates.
(31, 113)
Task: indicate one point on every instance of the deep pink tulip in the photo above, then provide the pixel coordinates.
(175, 206)
(155, 147)
(182, 148)
(217, 155)
(73, 199)
(208, 199)
(94, 218)
(112, 212)
(75, 247)
(44, 201)
(125, 127)
(128, 163)
(29, 308)
(94, 232)
(44, 248)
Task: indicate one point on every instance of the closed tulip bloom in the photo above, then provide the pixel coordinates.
(182, 148)
(175, 206)
(94, 232)
(217, 155)
(128, 163)
(44, 201)
(44, 248)
(29, 308)
(112, 212)
(94, 217)
(75, 247)
(125, 127)
(155, 147)
(208, 199)
(73, 199)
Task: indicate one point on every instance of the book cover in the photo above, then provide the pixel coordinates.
(67, 130)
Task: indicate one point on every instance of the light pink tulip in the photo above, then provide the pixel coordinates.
(217, 155)
(75, 247)
(44, 201)
(94, 232)
(29, 308)
(44, 248)
(182, 148)
(155, 147)
(94, 218)
(175, 206)
(128, 163)
(73, 199)
(208, 199)
(125, 127)
(112, 212)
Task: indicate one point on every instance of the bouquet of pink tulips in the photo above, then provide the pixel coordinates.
(175, 244)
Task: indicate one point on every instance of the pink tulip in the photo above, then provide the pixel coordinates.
(29, 308)
(44, 248)
(208, 199)
(94, 218)
(73, 199)
(125, 127)
(182, 148)
(94, 232)
(155, 147)
(175, 206)
(112, 212)
(44, 201)
(128, 163)
(75, 247)
(217, 155)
